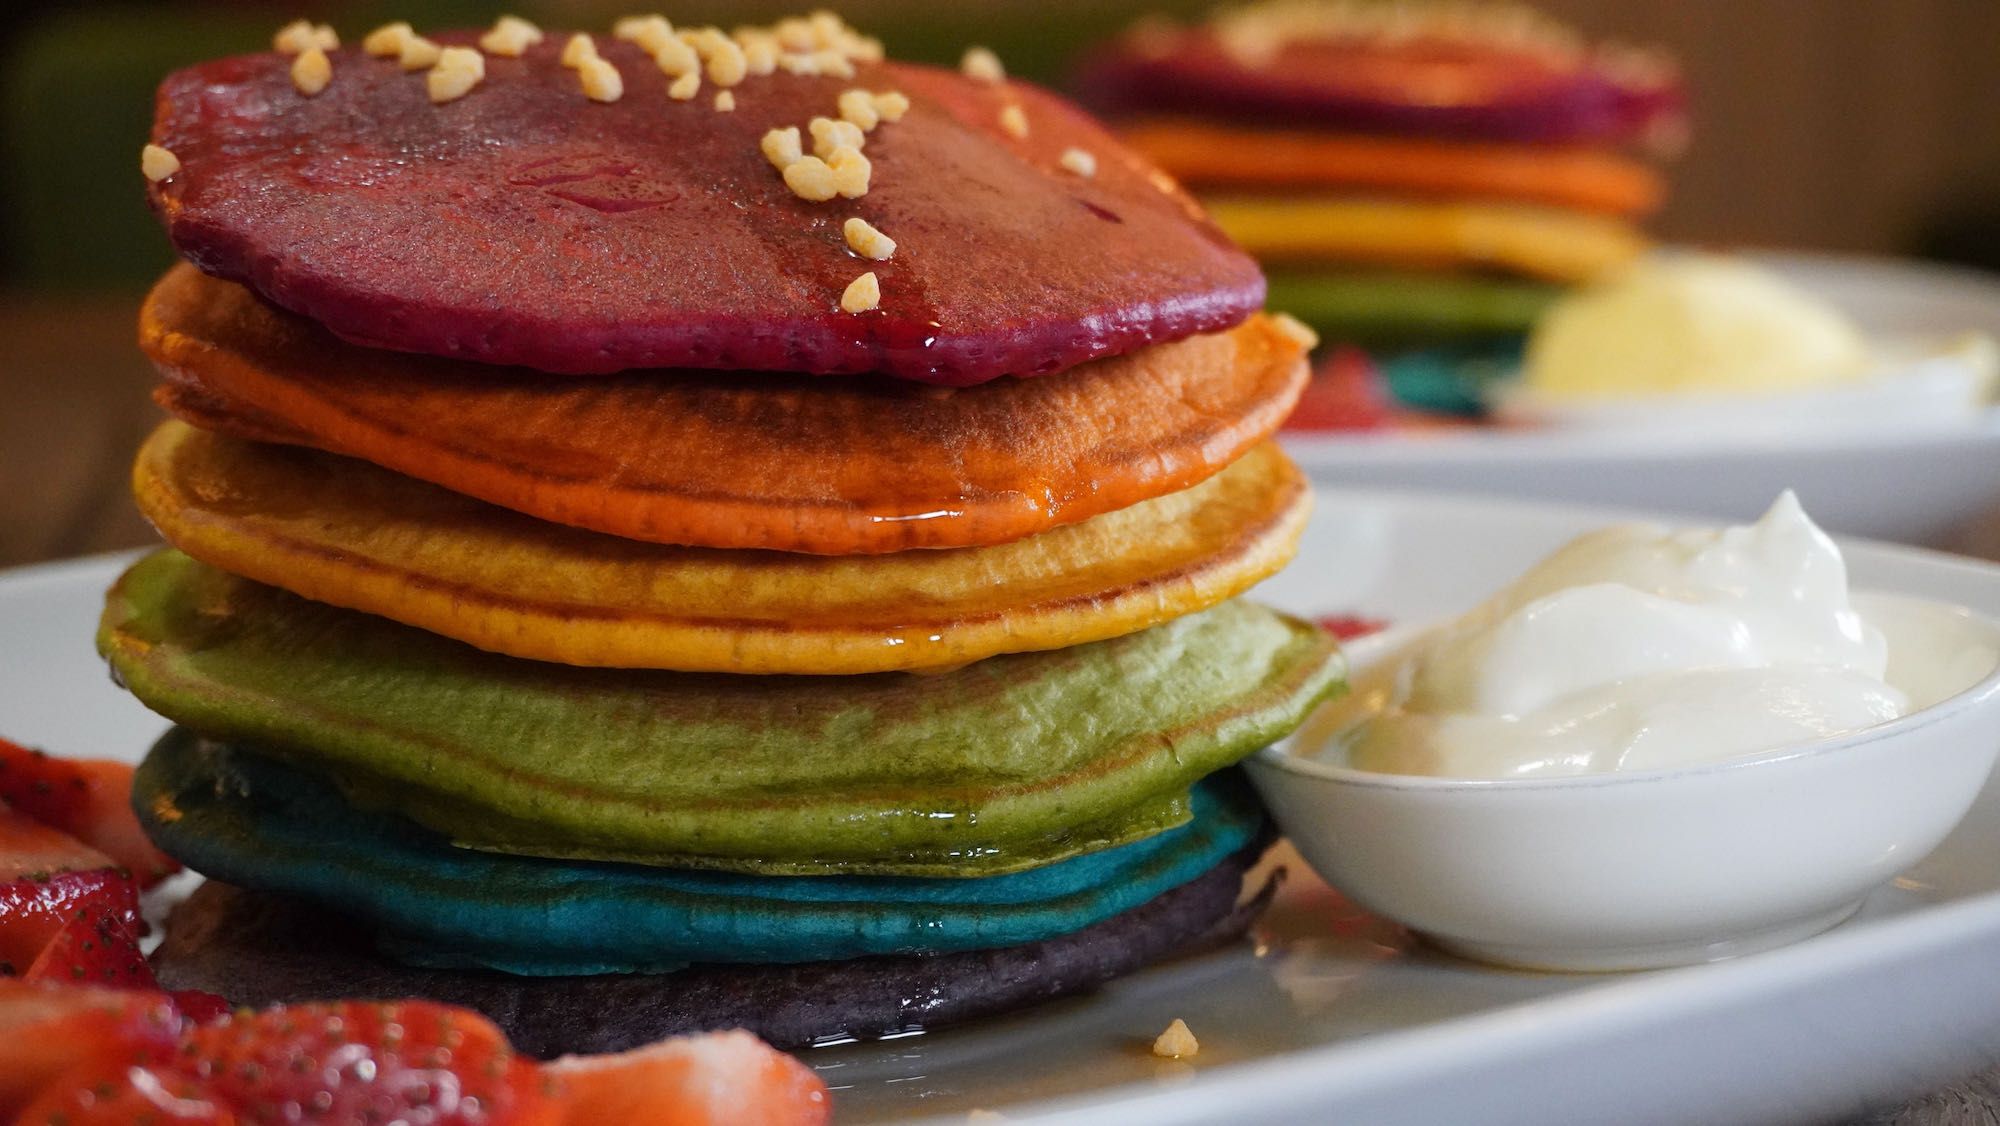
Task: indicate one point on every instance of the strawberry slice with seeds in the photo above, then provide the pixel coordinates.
(48, 878)
(360, 1062)
(200, 1007)
(123, 1096)
(721, 1078)
(88, 799)
(47, 1031)
(98, 947)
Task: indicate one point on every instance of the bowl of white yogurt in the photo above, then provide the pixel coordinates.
(1654, 748)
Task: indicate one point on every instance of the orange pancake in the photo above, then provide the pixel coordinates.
(787, 463)
(1202, 154)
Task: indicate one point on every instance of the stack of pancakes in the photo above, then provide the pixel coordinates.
(575, 612)
(1423, 180)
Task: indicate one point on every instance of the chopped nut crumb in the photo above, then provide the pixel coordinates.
(1014, 120)
(795, 34)
(649, 33)
(302, 35)
(866, 240)
(725, 61)
(1176, 1042)
(684, 88)
(725, 101)
(386, 42)
(1297, 330)
(983, 65)
(727, 64)
(458, 70)
(158, 163)
(419, 53)
(579, 50)
(862, 294)
(892, 105)
(811, 178)
(676, 59)
(858, 106)
(601, 81)
(510, 37)
(828, 30)
(760, 56)
(833, 64)
(807, 65)
(829, 134)
(311, 71)
(294, 37)
(1080, 162)
(865, 48)
(851, 171)
(782, 147)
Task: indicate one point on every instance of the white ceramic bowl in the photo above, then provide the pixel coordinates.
(1662, 867)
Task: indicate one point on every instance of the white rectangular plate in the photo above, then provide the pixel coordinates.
(1333, 1016)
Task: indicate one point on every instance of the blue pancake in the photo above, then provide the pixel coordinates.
(247, 819)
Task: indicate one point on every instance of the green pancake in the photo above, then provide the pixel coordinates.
(1384, 308)
(1007, 764)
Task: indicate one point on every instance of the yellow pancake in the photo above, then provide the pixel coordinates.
(1549, 243)
(348, 533)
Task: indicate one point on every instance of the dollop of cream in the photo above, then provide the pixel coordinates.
(1632, 648)
(1688, 322)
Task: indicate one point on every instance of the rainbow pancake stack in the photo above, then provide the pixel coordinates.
(1418, 178)
(678, 529)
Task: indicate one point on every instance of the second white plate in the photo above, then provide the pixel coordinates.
(1915, 486)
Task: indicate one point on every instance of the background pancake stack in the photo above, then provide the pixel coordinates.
(1421, 179)
(581, 608)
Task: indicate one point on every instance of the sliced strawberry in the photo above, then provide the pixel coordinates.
(199, 1007)
(94, 947)
(722, 1078)
(358, 1062)
(1347, 392)
(48, 878)
(1347, 627)
(47, 1030)
(124, 1096)
(87, 798)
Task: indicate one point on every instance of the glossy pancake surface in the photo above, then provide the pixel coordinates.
(788, 463)
(1006, 764)
(258, 949)
(344, 532)
(248, 820)
(525, 224)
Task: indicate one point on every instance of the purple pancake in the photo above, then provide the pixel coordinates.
(524, 224)
(258, 949)
(1458, 85)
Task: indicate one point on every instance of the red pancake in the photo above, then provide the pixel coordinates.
(526, 225)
